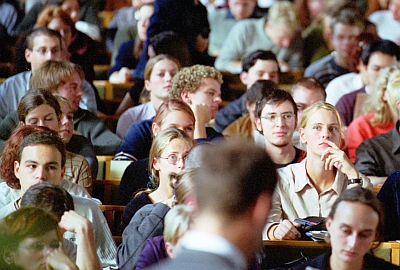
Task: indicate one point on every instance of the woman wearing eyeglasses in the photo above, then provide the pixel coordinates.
(166, 159)
(310, 187)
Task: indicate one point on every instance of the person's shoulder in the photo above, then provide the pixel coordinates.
(288, 173)
(17, 78)
(142, 125)
(84, 203)
(379, 15)
(319, 262)
(372, 262)
(128, 43)
(7, 194)
(314, 67)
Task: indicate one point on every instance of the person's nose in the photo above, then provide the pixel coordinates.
(181, 163)
(218, 99)
(168, 77)
(79, 92)
(352, 241)
(64, 120)
(280, 122)
(51, 55)
(325, 133)
(41, 123)
(40, 174)
(285, 43)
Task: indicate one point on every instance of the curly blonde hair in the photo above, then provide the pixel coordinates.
(190, 79)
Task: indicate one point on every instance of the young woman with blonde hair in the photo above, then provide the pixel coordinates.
(310, 187)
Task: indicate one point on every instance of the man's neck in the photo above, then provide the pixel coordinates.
(281, 154)
(341, 61)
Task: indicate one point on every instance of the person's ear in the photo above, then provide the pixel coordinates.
(302, 136)
(147, 85)
(156, 165)
(8, 257)
(328, 223)
(62, 173)
(16, 168)
(398, 107)
(155, 128)
(257, 122)
(243, 77)
(170, 249)
(185, 95)
(261, 209)
(28, 54)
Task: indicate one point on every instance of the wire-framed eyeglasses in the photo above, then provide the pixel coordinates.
(273, 117)
(174, 159)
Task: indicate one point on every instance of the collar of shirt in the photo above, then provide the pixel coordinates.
(213, 243)
(302, 179)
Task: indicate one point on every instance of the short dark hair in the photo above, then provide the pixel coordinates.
(43, 138)
(172, 44)
(276, 96)
(250, 60)
(33, 99)
(383, 46)
(49, 197)
(363, 196)
(41, 31)
(232, 177)
(258, 90)
(195, 156)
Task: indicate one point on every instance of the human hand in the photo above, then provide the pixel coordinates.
(202, 113)
(73, 222)
(287, 230)
(334, 157)
(125, 75)
(283, 66)
(58, 260)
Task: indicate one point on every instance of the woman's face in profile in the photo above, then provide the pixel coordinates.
(32, 252)
(352, 230)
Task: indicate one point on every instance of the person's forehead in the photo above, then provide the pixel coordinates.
(30, 152)
(302, 93)
(264, 65)
(210, 83)
(44, 40)
(279, 106)
(341, 28)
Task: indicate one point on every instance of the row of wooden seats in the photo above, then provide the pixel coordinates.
(105, 188)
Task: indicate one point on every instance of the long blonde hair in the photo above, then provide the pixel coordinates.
(375, 102)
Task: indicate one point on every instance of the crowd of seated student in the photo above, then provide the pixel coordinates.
(175, 34)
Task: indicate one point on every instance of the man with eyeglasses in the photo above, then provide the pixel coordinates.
(276, 119)
(42, 44)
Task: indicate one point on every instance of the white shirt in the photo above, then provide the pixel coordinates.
(341, 86)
